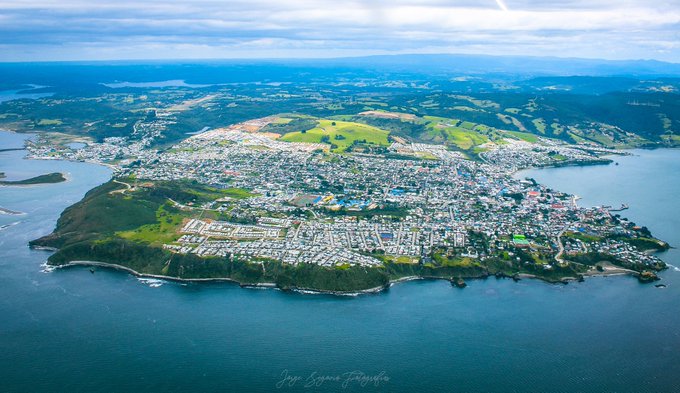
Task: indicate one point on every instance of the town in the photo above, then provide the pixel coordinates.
(305, 204)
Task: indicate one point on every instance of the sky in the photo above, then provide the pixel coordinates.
(40, 30)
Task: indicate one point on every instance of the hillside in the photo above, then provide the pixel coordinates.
(340, 134)
(128, 229)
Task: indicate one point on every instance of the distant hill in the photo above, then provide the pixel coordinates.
(90, 74)
(511, 65)
(610, 103)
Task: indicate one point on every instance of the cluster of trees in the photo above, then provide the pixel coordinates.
(298, 124)
(593, 258)
(405, 129)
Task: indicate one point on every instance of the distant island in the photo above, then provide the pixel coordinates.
(54, 177)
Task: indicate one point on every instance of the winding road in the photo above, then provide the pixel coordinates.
(128, 187)
(560, 246)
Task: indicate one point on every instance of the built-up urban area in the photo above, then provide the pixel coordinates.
(303, 203)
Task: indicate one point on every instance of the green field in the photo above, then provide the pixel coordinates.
(465, 139)
(450, 261)
(49, 122)
(236, 193)
(463, 108)
(582, 237)
(342, 134)
(464, 135)
(525, 136)
(165, 230)
(144, 215)
(540, 125)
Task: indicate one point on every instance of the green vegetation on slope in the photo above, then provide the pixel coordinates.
(341, 134)
(154, 260)
(109, 209)
(165, 230)
(614, 106)
(463, 135)
(285, 125)
(54, 177)
(128, 228)
(524, 136)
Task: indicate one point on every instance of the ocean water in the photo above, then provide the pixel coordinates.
(160, 84)
(72, 330)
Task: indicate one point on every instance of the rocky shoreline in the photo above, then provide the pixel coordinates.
(599, 161)
(10, 212)
(215, 279)
(455, 281)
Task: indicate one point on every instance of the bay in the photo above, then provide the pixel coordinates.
(9, 95)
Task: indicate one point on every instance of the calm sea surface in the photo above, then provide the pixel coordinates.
(71, 330)
(9, 95)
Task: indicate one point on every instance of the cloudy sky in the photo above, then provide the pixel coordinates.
(168, 29)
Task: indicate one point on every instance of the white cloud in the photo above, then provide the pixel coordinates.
(208, 28)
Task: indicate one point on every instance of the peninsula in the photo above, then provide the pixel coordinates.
(344, 178)
(300, 211)
(49, 178)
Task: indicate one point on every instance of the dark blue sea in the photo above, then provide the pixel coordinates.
(74, 331)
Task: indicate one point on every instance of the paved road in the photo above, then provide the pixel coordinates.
(560, 246)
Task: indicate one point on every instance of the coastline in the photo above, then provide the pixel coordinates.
(609, 271)
(599, 161)
(113, 167)
(10, 212)
(29, 135)
(606, 161)
(272, 285)
(590, 273)
(17, 183)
